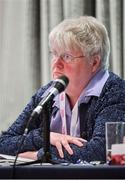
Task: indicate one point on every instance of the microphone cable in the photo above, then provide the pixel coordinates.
(17, 153)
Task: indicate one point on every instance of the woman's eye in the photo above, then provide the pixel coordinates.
(66, 56)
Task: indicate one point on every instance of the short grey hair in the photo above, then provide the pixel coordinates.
(85, 33)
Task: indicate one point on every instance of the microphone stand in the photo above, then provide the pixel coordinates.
(46, 156)
(46, 114)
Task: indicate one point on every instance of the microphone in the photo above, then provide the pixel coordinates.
(60, 85)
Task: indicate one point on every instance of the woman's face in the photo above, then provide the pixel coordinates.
(79, 70)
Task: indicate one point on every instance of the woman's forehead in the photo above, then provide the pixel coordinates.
(65, 45)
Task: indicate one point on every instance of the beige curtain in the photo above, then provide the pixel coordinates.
(24, 57)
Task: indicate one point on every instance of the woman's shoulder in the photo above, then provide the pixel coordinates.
(114, 83)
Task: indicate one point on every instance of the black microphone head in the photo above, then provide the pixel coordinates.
(61, 83)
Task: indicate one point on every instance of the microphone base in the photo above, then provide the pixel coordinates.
(46, 158)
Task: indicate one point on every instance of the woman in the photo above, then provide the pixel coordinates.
(80, 50)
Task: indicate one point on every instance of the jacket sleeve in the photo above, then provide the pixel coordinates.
(10, 140)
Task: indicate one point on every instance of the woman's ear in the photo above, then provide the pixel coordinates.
(96, 63)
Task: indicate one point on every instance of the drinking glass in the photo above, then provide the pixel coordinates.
(115, 142)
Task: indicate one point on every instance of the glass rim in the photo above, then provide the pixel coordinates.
(117, 122)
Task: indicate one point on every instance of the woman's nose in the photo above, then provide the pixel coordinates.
(58, 63)
(58, 60)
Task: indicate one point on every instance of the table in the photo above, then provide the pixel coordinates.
(63, 172)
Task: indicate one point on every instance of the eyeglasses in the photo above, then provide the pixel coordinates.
(68, 58)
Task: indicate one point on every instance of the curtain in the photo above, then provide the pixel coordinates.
(24, 51)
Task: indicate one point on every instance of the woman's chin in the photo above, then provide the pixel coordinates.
(57, 75)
